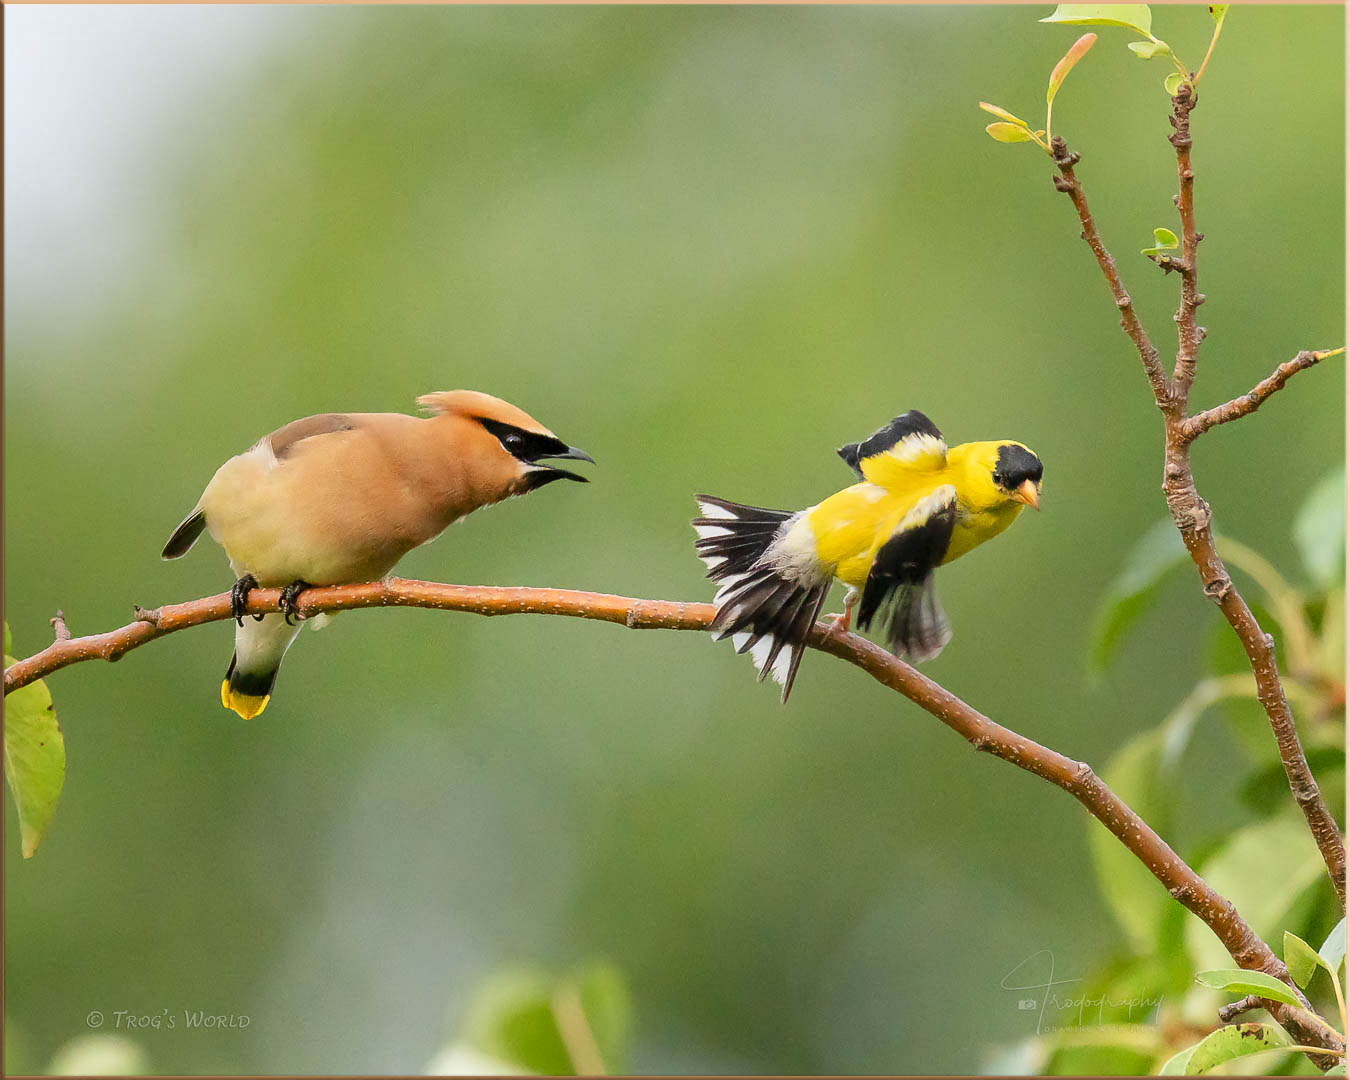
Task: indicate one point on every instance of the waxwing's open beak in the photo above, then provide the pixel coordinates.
(1028, 493)
(552, 472)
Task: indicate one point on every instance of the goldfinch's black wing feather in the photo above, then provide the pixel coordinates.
(913, 426)
(902, 576)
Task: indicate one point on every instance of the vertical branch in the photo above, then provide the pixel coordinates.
(1189, 511)
(1189, 335)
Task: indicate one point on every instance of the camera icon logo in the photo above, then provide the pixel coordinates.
(1027, 1004)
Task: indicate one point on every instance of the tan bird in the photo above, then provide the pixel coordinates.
(342, 497)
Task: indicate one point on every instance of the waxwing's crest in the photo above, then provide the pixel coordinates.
(479, 406)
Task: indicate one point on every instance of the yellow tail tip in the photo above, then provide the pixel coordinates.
(246, 705)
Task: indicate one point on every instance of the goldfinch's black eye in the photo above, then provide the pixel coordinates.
(513, 442)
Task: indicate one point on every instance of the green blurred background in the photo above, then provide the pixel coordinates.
(709, 245)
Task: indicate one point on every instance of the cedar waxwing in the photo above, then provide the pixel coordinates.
(342, 497)
(918, 505)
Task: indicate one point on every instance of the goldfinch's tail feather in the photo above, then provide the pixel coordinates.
(765, 612)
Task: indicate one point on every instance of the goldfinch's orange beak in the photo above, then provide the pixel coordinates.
(1028, 493)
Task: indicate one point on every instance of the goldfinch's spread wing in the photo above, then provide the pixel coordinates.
(902, 577)
(911, 438)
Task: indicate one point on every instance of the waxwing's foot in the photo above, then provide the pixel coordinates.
(239, 598)
(290, 597)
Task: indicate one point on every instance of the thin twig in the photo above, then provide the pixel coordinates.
(58, 625)
(1075, 777)
(1249, 402)
(1191, 513)
(1067, 182)
(1234, 1009)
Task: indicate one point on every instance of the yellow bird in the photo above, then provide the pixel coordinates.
(918, 505)
(342, 497)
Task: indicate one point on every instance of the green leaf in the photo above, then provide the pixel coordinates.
(1002, 114)
(1234, 1041)
(1265, 869)
(1173, 83)
(1166, 238)
(1217, 12)
(604, 998)
(1332, 951)
(1076, 52)
(1176, 1064)
(1147, 50)
(1132, 16)
(543, 1024)
(1008, 133)
(1240, 982)
(1319, 529)
(1300, 958)
(1137, 585)
(35, 759)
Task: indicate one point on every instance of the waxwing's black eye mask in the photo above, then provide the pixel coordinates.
(532, 448)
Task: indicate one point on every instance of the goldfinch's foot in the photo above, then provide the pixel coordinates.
(839, 623)
(239, 598)
(290, 596)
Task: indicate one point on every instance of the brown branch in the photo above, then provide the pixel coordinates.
(1188, 335)
(1191, 513)
(1234, 1009)
(1075, 777)
(1249, 402)
(1068, 183)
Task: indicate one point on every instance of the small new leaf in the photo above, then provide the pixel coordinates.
(1008, 133)
(1166, 238)
(1173, 83)
(1147, 50)
(1132, 16)
(1300, 959)
(1062, 69)
(1332, 951)
(1002, 114)
(1217, 13)
(1241, 982)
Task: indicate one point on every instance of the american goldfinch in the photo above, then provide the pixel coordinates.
(343, 496)
(917, 506)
